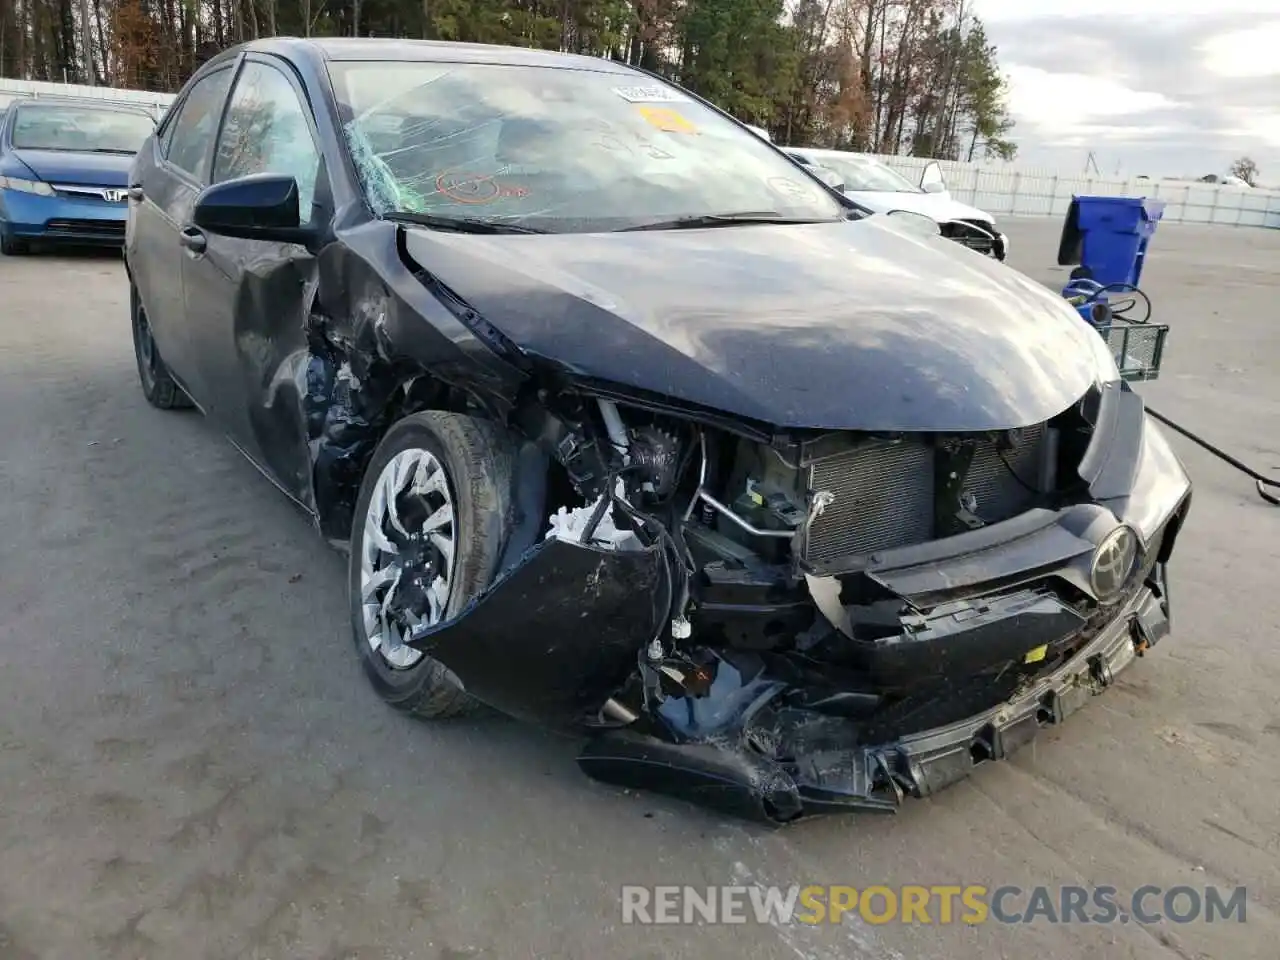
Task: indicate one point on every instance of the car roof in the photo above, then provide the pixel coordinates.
(824, 152)
(80, 103)
(423, 51)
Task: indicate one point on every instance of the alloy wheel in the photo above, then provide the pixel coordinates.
(407, 554)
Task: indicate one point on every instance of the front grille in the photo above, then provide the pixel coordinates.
(87, 228)
(1099, 616)
(973, 235)
(91, 194)
(884, 492)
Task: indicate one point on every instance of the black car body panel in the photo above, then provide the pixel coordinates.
(874, 482)
(553, 674)
(809, 326)
(837, 773)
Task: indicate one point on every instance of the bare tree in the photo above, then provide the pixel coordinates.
(1246, 170)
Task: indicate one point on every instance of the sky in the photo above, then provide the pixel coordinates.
(1163, 89)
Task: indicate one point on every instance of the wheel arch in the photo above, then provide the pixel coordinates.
(349, 412)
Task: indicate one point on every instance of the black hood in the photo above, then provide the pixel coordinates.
(849, 325)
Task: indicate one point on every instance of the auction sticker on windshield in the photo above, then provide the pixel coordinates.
(650, 95)
(668, 121)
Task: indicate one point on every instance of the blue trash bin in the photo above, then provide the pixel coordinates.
(1108, 237)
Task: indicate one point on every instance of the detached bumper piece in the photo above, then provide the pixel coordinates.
(729, 752)
(549, 639)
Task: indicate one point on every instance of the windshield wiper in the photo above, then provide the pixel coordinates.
(722, 220)
(458, 224)
(119, 150)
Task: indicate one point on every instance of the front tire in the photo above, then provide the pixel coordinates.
(430, 524)
(12, 247)
(158, 385)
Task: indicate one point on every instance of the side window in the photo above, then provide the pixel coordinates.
(266, 131)
(190, 137)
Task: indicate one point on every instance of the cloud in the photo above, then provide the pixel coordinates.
(993, 11)
(1244, 53)
(1161, 87)
(1066, 100)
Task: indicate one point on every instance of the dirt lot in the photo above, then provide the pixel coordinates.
(191, 764)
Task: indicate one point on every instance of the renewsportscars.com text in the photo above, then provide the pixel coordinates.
(970, 904)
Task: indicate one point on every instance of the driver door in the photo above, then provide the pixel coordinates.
(249, 300)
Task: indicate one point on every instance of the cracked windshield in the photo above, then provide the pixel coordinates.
(561, 151)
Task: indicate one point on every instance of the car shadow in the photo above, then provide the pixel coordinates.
(69, 251)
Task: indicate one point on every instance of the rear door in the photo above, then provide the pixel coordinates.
(248, 300)
(167, 176)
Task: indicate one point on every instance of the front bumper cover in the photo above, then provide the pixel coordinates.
(731, 773)
(65, 218)
(562, 638)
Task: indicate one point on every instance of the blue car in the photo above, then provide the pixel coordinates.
(64, 171)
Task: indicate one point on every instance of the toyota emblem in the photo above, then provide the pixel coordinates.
(1112, 563)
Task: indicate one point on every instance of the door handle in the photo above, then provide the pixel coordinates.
(136, 194)
(193, 240)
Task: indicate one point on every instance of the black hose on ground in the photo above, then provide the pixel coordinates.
(1261, 481)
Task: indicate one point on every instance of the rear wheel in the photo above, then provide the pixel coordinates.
(157, 385)
(430, 524)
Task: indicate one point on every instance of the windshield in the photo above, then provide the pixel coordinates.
(62, 127)
(863, 173)
(557, 150)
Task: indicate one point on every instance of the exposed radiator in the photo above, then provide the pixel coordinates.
(1005, 486)
(883, 499)
(884, 493)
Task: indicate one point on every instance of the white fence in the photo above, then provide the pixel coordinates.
(996, 188)
(11, 90)
(1006, 189)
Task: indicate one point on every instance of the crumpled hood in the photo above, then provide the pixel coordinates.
(849, 325)
(80, 169)
(933, 205)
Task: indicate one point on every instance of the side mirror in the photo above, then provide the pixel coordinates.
(931, 180)
(263, 206)
(914, 222)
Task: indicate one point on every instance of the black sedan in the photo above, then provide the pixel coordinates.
(631, 426)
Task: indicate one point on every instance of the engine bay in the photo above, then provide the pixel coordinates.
(766, 543)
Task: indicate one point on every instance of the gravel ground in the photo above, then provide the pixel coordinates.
(191, 764)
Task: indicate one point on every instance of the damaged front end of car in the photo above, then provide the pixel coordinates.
(784, 623)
